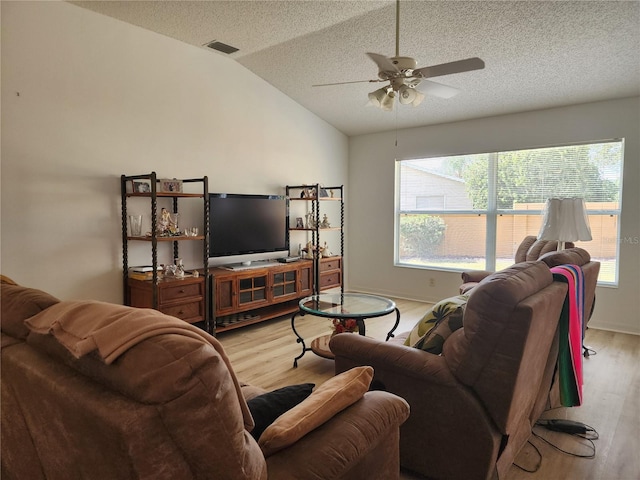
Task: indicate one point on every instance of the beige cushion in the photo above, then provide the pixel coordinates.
(327, 400)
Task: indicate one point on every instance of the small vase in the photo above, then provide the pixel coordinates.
(179, 268)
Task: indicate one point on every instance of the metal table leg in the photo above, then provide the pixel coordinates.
(299, 339)
(395, 325)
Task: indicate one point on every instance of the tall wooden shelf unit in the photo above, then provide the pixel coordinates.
(327, 271)
(185, 298)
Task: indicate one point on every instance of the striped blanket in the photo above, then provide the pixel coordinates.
(571, 335)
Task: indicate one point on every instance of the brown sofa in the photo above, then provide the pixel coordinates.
(110, 392)
(473, 406)
(530, 249)
(546, 251)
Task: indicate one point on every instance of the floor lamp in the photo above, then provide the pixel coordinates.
(565, 220)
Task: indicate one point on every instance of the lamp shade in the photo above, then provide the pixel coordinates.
(407, 95)
(565, 220)
(382, 98)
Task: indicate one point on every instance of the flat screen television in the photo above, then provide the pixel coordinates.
(246, 228)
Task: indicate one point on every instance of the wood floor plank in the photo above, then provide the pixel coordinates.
(263, 354)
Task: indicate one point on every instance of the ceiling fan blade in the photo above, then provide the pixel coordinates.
(452, 67)
(345, 83)
(384, 64)
(438, 89)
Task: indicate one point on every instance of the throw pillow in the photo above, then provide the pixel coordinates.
(434, 339)
(435, 315)
(267, 407)
(327, 400)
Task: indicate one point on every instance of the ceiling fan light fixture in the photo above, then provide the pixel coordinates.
(381, 98)
(387, 102)
(418, 99)
(407, 95)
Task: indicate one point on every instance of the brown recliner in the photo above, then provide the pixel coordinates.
(473, 406)
(529, 249)
(546, 251)
(163, 406)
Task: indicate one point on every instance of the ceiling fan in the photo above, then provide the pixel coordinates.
(404, 77)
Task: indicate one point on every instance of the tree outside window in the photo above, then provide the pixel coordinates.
(491, 201)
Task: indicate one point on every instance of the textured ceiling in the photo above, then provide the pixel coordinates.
(537, 54)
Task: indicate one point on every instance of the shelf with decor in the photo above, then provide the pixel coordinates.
(328, 266)
(174, 292)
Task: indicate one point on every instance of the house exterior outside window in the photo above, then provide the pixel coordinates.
(472, 211)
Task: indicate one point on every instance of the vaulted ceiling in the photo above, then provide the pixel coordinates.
(538, 54)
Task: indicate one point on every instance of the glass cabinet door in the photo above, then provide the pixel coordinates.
(252, 290)
(284, 283)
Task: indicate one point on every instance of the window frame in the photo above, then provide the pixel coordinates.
(492, 212)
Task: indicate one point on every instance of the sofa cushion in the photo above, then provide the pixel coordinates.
(570, 256)
(435, 315)
(434, 339)
(327, 400)
(20, 303)
(267, 407)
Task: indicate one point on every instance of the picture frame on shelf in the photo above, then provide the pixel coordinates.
(299, 222)
(323, 193)
(141, 186)
(170, 185)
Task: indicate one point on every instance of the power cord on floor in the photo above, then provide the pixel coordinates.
(570, 427)
(537, 467)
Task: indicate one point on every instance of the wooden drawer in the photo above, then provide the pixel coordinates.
(330, 264)
(189, 312)
(328, 280)
(174, 293)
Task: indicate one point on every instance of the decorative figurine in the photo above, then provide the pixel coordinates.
(311, 223)
(165, 220)
(308, 250)
(325, 222)
(168, 223)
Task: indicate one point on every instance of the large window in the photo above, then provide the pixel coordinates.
(472, 211)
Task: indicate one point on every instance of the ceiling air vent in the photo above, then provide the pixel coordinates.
(221, 47)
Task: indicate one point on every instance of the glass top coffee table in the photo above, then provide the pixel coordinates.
(342, 306)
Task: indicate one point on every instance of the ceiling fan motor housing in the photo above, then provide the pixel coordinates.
(404, 65)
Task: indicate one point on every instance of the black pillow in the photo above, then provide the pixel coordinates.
(267, 407)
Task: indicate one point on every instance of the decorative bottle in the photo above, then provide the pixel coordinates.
(179, 268)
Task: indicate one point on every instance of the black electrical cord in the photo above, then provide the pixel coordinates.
(575, 429)
(537, 467)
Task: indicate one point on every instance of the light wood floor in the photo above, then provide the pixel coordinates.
(263, 355)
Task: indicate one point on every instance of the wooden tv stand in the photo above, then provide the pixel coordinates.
(244, 297)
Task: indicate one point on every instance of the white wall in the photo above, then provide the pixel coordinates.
(86, 98)
(371, 189)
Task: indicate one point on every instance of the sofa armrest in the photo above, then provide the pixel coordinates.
(394, 358)
(446, 415)
(362, 441)
(475, 275)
